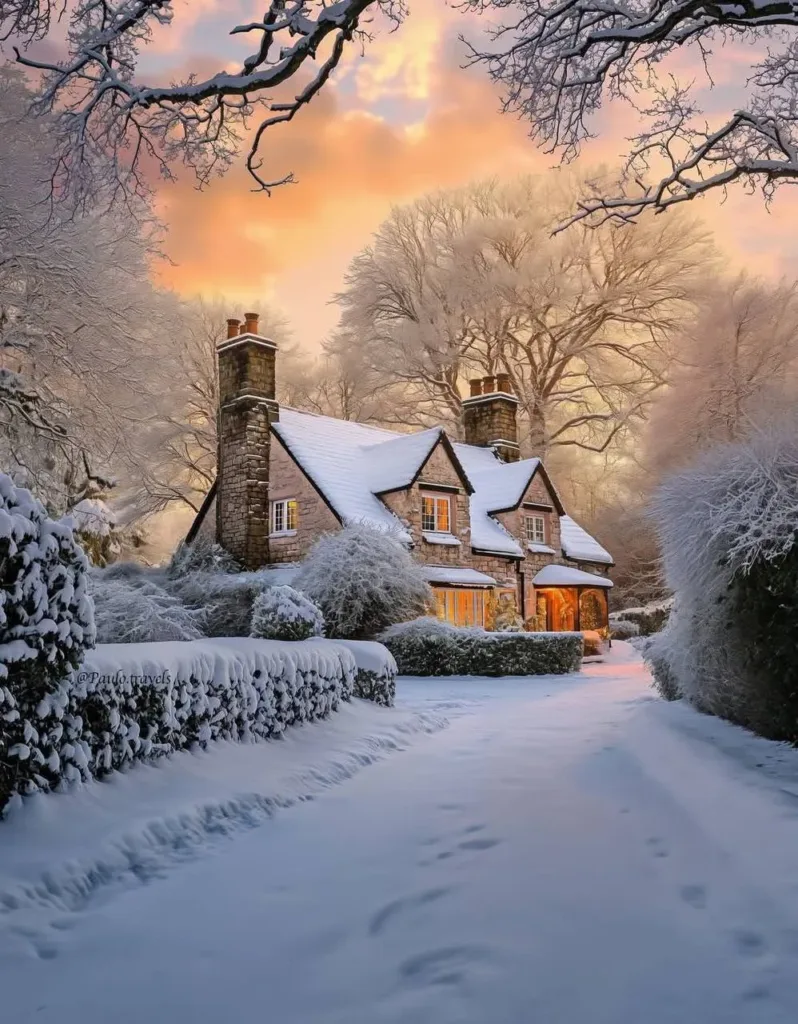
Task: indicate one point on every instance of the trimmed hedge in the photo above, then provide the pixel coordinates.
(134, 702)
(376, 671)
(428, 647)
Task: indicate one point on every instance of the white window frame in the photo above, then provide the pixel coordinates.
(280, 512)
(438, 501)
(535, 528)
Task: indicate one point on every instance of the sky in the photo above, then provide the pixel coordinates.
(401, 120)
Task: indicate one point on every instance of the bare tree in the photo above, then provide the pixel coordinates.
(736, 364)
(557, 61)
(470, 282)
(79, 323)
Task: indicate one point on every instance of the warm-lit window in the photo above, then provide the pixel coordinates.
(283, 516)
(460, 607)
(536, 529)
(436, 514)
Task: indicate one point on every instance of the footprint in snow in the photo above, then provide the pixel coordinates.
(386, 914)
(446, 966)
(478, 844)
(694, 895)
(749, 943)
(657, 846)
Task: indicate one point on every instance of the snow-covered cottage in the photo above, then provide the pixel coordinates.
(489, 527)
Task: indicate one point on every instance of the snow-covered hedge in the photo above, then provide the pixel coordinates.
(363, 579)
(282, 613)
(429, 647)
(376, 671)
(130, 607)
(223, 602)
(132, 702)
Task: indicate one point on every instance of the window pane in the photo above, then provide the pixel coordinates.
(291, 516)
(443, 524)
(278, 509)
(428, 514)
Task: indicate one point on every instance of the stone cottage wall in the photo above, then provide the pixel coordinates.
(314, 516)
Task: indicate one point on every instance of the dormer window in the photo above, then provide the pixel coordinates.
(535, 529)
(283, 518)
(436, 513)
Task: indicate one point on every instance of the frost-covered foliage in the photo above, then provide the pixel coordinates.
(223, 602)
(202, 555)
(429, 647)
(46, 615)
(95, 526)
(282, 613)
(623, 629)
(132, 608)
(141, 701)
(363, 579)
(376, 671)
(728, 527)
(649, 618)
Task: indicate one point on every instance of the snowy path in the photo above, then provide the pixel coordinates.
(564, 851)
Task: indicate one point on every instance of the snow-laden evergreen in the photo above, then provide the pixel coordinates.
(46, 615)
(132, 702)
(363, 579)
(429, 647)
(282, 613)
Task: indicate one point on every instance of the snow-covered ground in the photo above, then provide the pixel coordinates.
(565, 850)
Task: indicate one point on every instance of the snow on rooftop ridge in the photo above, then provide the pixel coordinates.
(393, 464)
(579, 545)
(504, 484)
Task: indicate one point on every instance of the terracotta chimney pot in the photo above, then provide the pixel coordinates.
(503, 383)
(488, 385)
(232, 328)
(476, 387)
(251, 323)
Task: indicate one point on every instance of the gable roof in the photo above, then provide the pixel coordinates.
(351, 464)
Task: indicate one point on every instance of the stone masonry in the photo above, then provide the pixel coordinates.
(247, 408)
(490, 416)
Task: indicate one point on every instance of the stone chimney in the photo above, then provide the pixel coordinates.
(490, 416)
(247, 408)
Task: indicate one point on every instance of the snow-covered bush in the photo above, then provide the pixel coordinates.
(142, 701)
(46, 615)
(728, 527)
(134, 609)
(363, 579)
(201, 555)
(623, 629)
(649, 618)
(429, 647)
(46, 618)
(282, 613)
(95, 526)
(376, 671)
(223, 602)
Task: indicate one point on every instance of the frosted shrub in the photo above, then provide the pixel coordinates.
(134, 609)
(728, 527)
(282, 613)
(363, 579)
(623, 629)
(223, 602)
(201, 555)
(649, 618)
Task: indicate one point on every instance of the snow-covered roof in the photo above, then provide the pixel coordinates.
(565, 576)
(579, 545)
(351, 464)
(456, 576)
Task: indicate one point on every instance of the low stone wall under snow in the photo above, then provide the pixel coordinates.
(132, 702)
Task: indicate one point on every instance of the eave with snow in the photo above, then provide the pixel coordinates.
(489, 527)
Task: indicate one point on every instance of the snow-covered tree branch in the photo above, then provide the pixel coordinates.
(559, 61)
(112, 125)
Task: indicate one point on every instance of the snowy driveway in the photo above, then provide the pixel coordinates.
(559, 851)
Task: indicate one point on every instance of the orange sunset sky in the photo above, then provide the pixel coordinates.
(404, 119)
